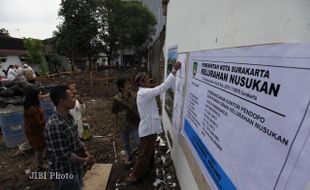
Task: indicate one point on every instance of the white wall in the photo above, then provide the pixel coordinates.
(184, 175)
(210, 24)
(214, 24)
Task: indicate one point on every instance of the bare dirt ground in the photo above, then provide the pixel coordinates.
(98, 99)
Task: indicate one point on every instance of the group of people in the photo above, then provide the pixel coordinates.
(20, 73)
(135, 114)
(144, 131)
(58, 138)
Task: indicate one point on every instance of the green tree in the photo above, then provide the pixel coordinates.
(34, 54)
(4, 32)
(93, 26)
(124, 24)
(77, 34)
(64, 44)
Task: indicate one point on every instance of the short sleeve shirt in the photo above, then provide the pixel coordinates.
(127, 112)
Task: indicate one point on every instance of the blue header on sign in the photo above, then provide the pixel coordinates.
(215, 170)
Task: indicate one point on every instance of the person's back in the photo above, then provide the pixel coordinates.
(34, 124)
(148, 111)
(29, 73)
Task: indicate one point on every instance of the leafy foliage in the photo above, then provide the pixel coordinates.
(77, 33)
(125, 24)
(34, 53)
(4, 32)
(93, 26)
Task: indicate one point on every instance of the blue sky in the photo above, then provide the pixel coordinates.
(29, 18)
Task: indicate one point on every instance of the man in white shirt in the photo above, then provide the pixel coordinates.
(149, 121)
(78, 109)
(11, 74)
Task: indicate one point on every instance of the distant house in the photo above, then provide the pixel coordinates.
(12, 52)
(80, 62)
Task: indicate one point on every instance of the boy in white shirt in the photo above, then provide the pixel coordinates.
(78, 109)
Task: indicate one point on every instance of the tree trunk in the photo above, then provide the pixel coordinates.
(72, 62)
(123, 52)
(109, 56)
(109, 60)
(90, 71)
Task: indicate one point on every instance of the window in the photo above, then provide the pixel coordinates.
(2, 59)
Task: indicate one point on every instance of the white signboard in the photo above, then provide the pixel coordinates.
(178, 95)
(247, 116)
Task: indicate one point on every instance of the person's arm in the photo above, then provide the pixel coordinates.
(86, 158)
(85, 155)
(91, 159)
(115, 119)
(77, 159)
(168, 83)
(176, 67)
(115, 115)
(44, 96)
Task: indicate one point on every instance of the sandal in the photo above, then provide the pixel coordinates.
(132, 179)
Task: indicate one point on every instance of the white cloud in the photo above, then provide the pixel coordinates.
(29, 18)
